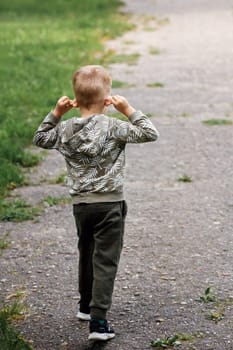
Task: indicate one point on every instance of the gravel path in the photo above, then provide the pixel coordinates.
(178, 234)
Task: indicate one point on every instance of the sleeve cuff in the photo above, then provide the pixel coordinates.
(51, 119)
(136, 116)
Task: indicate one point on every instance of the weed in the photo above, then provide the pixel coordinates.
(10, 175)
(28, 159)
(208, 296)
(10, 338)
(156, 84)
(19, 294)
(163, 21)
(145, 19)
(129, 42)
(228, 114)
(185, 336)
(152, 28)
(122, 117)
(174, 340)
(60, 179)
(15, 311)
(17, 210)
(152, 23)
(216, 315)
(217, 122)
(185, 114)
(225, 302)
(154, 51)
(165, 342)
(51, 201)
(120, 84)
(4, 243)
(184, 178)
(130, 59)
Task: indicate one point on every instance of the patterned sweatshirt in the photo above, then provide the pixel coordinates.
(94, 151)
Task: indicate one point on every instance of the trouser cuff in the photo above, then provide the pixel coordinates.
(98, 313)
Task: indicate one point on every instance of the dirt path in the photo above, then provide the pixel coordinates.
(178, 235)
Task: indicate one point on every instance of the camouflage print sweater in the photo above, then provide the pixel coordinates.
(94, 151)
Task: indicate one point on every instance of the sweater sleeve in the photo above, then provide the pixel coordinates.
(46, 135)
(137, 130)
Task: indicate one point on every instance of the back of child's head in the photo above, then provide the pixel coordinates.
(91, 84)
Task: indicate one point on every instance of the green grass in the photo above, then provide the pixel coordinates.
(216, 315)
(155, 84)
(17, 210)
(173, 341)
(60, 179)
(165, 342)
(10, 338)
(184, 178)
(208, 296)
(41, 44)
(217, 122)
(4, 242)
(154, 51)
(120, 84)
(51, 201)
(130, 59)
(185, 114)
(152, 23)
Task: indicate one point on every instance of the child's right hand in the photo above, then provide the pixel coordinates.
(122, 105)
(64, 104)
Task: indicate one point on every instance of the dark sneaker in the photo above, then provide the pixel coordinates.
(100, 330)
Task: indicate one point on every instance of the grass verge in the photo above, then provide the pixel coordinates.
(17, 210)
(10, 314)
(41, 44)
(217, 122)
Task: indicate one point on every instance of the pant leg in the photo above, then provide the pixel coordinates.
(108, 237)
(100, 229)
(85, 230)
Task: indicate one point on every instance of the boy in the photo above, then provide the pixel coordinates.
(94, 150)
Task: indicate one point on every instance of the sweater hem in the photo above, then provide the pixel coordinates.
(96, 197)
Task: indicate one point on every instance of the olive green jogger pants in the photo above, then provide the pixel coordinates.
(100, 229)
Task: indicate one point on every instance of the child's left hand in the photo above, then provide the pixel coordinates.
(64, 104)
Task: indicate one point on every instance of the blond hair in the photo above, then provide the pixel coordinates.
(91, 84)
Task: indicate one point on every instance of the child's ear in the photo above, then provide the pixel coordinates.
(108, 101)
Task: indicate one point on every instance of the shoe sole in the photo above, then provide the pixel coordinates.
(83, 317)
(101, 336)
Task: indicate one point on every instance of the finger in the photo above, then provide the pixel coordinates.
(75, 103)
(68, 104)
(114, 98)
(65, 97)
